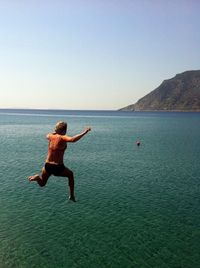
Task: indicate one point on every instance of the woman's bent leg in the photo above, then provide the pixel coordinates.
(41, 180)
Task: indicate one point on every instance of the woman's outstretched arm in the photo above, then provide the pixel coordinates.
(76, 137)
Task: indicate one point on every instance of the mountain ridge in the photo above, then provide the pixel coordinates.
(179, 93)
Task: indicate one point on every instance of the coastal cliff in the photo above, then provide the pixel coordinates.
(180, 93)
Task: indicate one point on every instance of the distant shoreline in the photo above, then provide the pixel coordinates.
(159, 111)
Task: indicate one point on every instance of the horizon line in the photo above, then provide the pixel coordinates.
(56, 109)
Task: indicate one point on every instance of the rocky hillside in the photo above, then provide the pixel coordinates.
(180, 93)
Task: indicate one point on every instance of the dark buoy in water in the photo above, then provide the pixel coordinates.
(138, 143)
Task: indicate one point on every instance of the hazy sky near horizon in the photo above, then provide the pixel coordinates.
(85, 54)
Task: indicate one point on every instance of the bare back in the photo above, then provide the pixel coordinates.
(56, 148)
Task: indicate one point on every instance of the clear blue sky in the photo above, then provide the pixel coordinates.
(85, 54)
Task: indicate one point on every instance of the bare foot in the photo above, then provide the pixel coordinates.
(72, 198)
(34, 178)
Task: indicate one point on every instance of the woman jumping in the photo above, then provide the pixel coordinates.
(54, 162)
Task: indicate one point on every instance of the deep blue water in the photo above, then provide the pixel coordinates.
(136, 206)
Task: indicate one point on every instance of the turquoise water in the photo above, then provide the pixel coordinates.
(136, 206)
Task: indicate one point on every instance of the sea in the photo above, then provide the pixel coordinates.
(137, 206)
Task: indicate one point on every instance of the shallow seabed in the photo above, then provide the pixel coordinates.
(136, 206)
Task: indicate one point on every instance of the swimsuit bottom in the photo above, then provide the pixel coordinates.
(54, 169)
